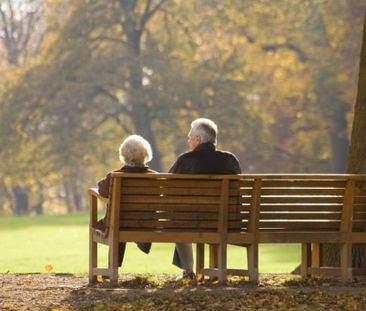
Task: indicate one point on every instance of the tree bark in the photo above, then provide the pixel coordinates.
(140, 110)
(357, 152)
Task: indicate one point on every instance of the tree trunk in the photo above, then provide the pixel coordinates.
(333, 110)
(338, 139)
(357, 152)
(356, 163)
(21, 197)
(141, 112)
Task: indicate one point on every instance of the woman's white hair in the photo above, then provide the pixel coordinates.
(206, 129)
(135, 150)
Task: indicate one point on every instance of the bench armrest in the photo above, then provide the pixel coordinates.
(94, 196)
(94, 192)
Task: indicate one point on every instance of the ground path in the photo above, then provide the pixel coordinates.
(162, 292)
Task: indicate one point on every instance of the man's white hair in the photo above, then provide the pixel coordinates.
(206, 129)
(135, 151)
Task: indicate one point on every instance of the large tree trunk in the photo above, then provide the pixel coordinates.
(356, 163)
(141, 112)
(357, 152)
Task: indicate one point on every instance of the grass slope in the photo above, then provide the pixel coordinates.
(30, 243)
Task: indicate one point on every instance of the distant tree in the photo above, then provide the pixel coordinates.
(20, 27)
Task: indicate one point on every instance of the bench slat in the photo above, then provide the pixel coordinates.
(304, 183)
(303, 191)
(301, 199)
(171, 183)
(175, 216)
(301, 207)
(300, 216)
(299, 225)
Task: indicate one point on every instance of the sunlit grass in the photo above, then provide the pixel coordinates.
(28, 244)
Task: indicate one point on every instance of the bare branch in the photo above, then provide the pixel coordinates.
(148, 13)
(290, 46)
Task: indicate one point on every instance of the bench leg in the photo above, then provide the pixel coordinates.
(305, 259)
(222, 264)
(346, 262)
(93, 259)
(213, 256)
(252, 255)
(200, 257)
(113, 264)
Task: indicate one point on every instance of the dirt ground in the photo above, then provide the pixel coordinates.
(71, 292)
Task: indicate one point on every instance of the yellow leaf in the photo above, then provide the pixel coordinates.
(48, 267)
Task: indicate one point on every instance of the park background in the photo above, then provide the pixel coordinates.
(76, 77)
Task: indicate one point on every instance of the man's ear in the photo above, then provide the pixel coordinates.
(198, 139)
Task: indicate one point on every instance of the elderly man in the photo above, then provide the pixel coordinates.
(203, 158)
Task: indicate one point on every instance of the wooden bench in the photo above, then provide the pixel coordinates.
(233, 209)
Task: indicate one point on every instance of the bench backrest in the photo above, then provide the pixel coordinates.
(240, 203)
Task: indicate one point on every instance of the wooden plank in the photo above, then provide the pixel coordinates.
(242, 176)
(299, 225)
(169, 199)
(240, 238)
(173, 224)
(357, 237)
(304, 183)
(178, 216)
(93, 249)
(172, 191)
(171, 207)
(176, 183)
(301, 207)
(301, 237)
(359, 216)
(178, 200)
(358, 225)
(222, 228)
(359, 208)
(169, 237)
(300, 216)
(183, 191)
(94, 192)
(360, 200)
(315, 255)
(114, 231)
(301, 199)
(303, 191)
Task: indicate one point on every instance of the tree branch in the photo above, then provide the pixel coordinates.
(148, 13)
(290, 46)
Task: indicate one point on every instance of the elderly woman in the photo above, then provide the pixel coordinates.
(134, 153)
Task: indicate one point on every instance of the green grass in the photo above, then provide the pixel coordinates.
(30, 243)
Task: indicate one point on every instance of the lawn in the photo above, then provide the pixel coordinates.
(28, 244)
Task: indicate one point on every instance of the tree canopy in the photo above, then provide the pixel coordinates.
(278, 77)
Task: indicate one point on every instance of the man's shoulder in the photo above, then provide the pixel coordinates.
(186, 155)
(226, 154)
